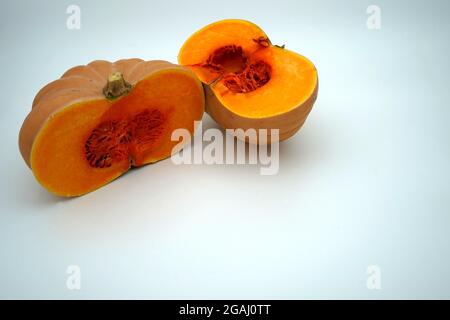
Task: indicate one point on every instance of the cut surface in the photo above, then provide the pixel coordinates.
(291, 81)
(249, 76)
(221, 47)
(85, 145)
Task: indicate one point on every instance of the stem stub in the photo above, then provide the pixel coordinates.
(116, 86)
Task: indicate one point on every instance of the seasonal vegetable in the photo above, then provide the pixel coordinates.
(250, 83)
(95, 122)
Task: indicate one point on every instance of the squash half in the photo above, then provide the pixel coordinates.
(250, 83)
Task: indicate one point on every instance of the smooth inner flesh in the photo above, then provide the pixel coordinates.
(293, 79)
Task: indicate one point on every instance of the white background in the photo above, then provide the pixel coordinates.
(365, 182)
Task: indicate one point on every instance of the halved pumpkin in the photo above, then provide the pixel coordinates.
(95, 122)
(249, 82)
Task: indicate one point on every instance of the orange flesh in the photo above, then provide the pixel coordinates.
(293, 79)
(248, 75)
(205, 45)
(85, 145)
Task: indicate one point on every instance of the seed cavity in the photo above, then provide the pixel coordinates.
(111, 141)
(238, 73)
(253, 77)
(228, 59)
(146, 127)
